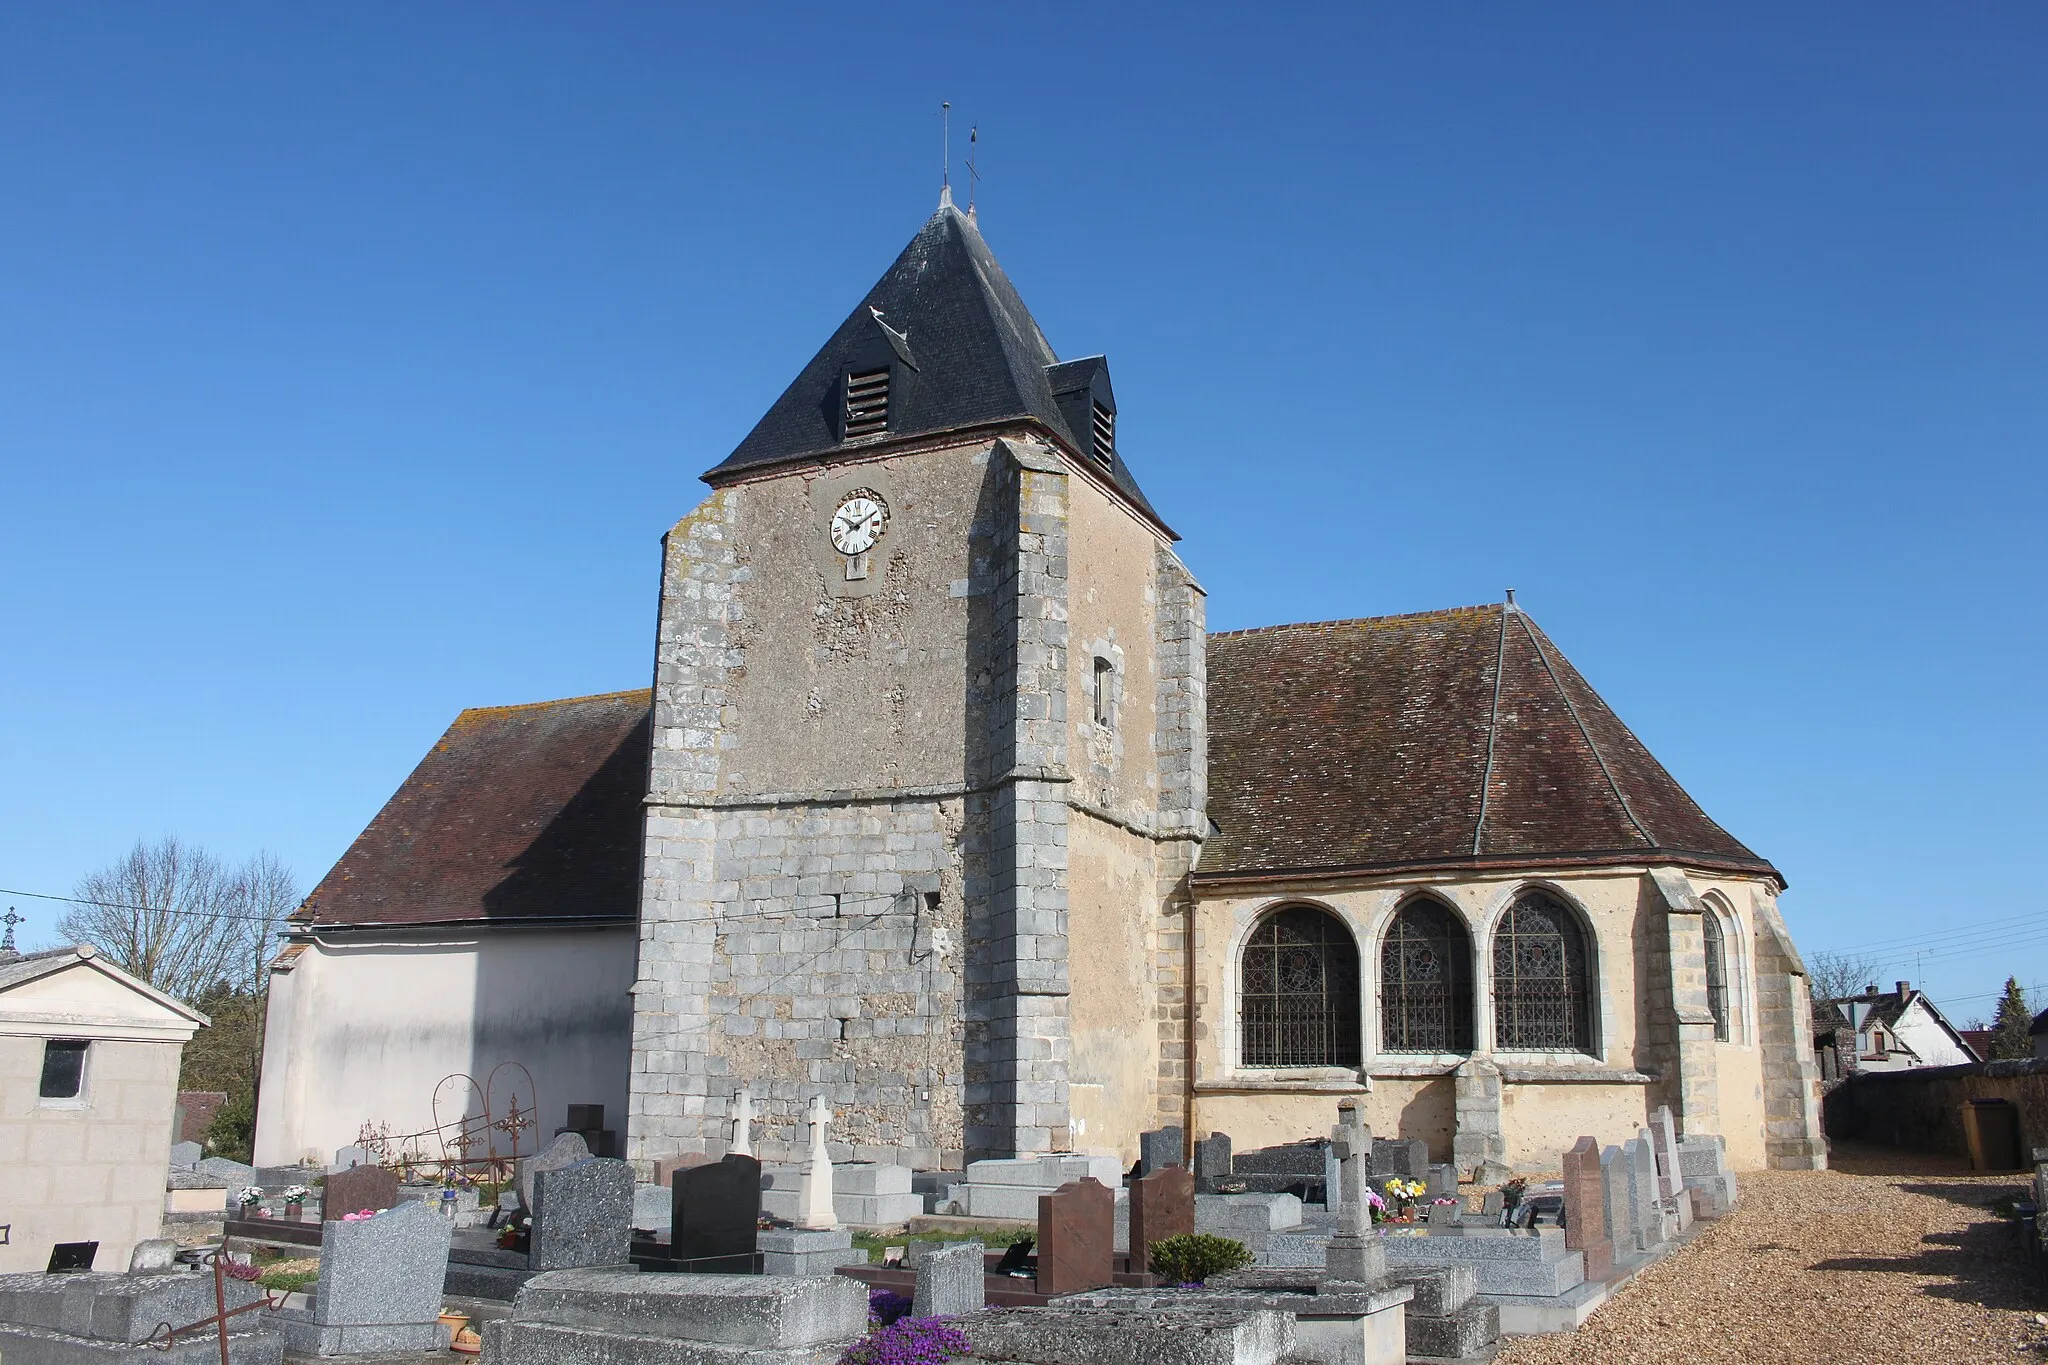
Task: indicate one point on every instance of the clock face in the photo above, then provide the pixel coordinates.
(859, 522)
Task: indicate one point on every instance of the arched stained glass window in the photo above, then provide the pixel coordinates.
(1541, 1001)
(1717, 974)
(1426, 981)
(1300, 991)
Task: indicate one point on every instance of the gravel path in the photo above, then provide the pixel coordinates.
(1892, 1258)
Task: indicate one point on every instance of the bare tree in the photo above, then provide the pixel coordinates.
(182, 920)
(1830, 975)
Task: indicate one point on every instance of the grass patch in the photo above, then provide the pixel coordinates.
(995, 1239)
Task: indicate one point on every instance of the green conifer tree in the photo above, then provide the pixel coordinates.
(2009, 1038)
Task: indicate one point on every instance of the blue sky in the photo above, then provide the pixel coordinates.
(353, 359)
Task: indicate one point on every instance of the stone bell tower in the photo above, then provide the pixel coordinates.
(927, 762)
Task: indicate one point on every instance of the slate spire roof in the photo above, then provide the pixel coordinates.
(1448, 739)
(966, 354)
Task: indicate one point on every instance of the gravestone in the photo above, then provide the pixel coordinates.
(1585, 1208)
(566, 1150)
(1492, 1205)
(1405, 1157)
(152, 1255)
(582, 1215)
(1614, 1200)
(814, 1198)
(1212, 1162)
(1076, 1237)
(1443, 1182)
(362, 1187)
(1670, 1180)
(743, 1122)
(1443, 1215)
(1645, 1209)
(1162, 1206)
(380, 1286)
(347, 1158)
(1351, 1138)
(949, 1281)
(1296, 1168)
(717, 1210)
(186, 1155)
(1354, 1255)
(666, 1168)
(1164, 1147)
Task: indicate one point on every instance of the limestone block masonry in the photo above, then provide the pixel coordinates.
(856, 863)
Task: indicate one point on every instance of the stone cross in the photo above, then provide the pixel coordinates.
(1353, 1150)
(814, 1198)
(743, 1121)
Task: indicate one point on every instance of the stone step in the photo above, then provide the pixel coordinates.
(1530, 1314)
(1541, 1278)
(1467, 1332)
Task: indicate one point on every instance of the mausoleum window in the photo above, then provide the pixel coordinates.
(1299, 1000)
(1717, 974)
(63, 1069)
(1426, 981)
(1541, 992)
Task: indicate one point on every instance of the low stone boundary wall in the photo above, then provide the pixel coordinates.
(1920, 1109)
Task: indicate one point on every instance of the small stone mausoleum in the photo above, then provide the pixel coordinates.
(945, 804)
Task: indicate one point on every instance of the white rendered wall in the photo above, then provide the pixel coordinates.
(363, 1030)
(1918, 1030)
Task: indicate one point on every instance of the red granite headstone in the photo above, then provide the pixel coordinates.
(1585, 1209)
(1077, 1237)
(1162, 1206)
(356, 1189)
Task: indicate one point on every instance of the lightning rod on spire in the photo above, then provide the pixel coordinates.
(945, 152)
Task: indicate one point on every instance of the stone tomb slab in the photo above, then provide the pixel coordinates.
(1084, 1336)
(357, 1189)
(1076, 1237)
(631, 1319)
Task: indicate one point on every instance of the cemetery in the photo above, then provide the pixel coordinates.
(1345, 1250)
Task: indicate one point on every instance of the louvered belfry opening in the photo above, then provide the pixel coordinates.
(1105, 434)
(1717, 974)
(1540, 999)
(867, 403)
(1426, 981)
(1300, 991)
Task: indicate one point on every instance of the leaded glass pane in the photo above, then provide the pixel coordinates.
(1717, 975)
(1426, 982)
(1540, 989)
(1300, 992)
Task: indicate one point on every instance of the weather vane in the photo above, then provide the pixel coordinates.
(945, 149)
(973, 176)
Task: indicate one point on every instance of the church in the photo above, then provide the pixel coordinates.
(945, 805)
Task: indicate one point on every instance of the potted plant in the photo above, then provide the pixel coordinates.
(249, 1198)
(294, 1202)
(1401, 1196)
(1511, 1196)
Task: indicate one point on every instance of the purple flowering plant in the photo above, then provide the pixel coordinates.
(908, 1341)
(885, 1306)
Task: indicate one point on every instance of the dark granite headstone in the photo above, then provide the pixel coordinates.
(1016, 1256)
(1405, 1157)
(1585, 1212)
(356, 1189)
(1165, 1147)
(717, 1209)
(1162, 1206)
(1077, 1237)
(1296, 1168)
(1212, 1162)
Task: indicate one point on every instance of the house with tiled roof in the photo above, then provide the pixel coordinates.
(945, 805)
(1894, 1030)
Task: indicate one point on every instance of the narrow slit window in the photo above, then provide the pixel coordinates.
(1105, 692)
(867, 403)
(1717, 975)
(63, 1069)
(1105, 435)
